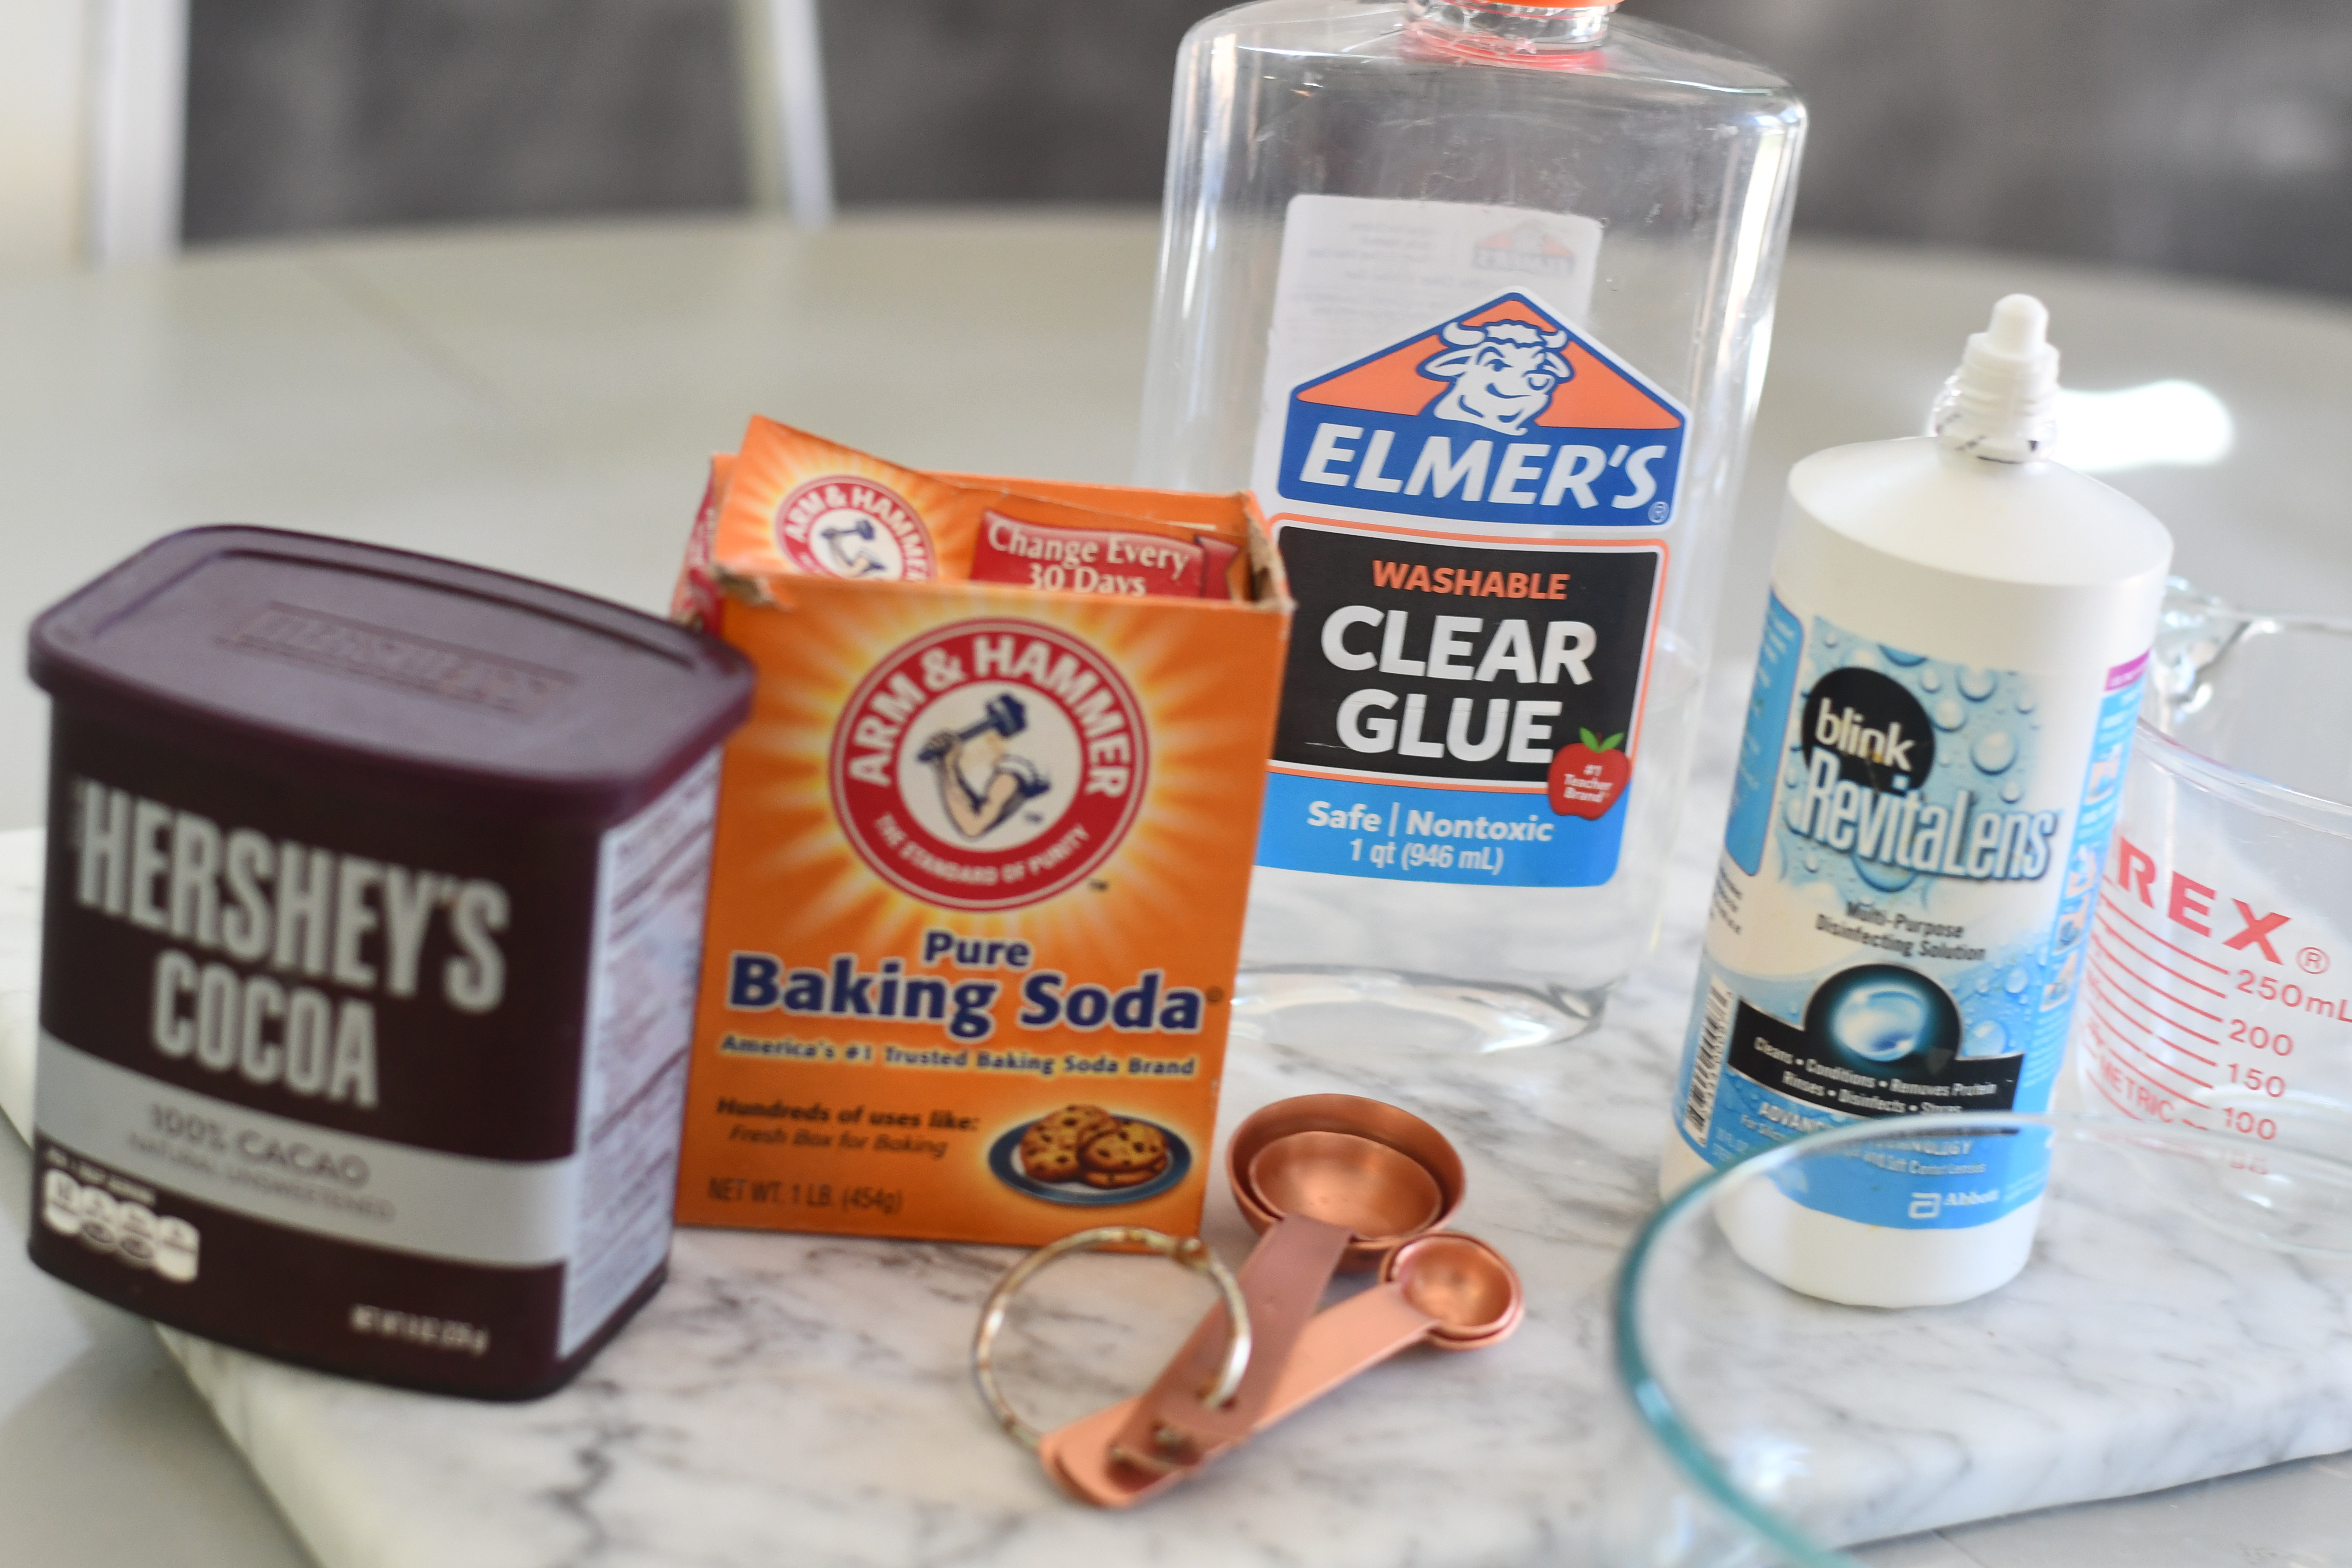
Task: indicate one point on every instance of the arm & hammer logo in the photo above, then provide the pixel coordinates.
(990, 764)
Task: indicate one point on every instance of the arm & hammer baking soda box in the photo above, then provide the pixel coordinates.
(983, 847)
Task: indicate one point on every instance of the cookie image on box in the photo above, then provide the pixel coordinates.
(1073, 1124)
(1126, 1155)
(1051, 1146)
(1083, 1154)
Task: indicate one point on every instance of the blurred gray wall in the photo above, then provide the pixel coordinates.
(321, 114)
(2179, 135)
(2190, 137)
(1001, 100)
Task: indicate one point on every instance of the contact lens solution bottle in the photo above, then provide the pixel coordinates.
(1934, 754)
(1475, 298)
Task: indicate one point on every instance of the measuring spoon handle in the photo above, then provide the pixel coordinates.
(1336, 1344)
(1339, 1342)
(1282, 1281)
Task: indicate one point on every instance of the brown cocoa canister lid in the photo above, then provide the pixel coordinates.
(390, 673)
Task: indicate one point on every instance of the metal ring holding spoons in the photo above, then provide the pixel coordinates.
(1189, 1251)
(1324, 1178)
(1445, 1290)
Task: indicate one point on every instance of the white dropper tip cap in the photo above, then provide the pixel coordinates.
(1998, 406)
(2019, 329)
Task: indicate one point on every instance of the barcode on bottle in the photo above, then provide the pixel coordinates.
(1706, 1066)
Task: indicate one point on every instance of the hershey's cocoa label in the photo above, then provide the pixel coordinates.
(390, 1090)
(413, 976)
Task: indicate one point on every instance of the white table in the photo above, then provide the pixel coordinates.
(539, 400)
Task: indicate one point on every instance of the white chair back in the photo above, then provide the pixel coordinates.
(94, 124)
(93, 109)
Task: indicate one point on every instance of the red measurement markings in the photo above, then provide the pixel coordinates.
(2133, 1040)
(2109, 1038)
(2108, 941)
(2117, 998)
(2106, 907)
(2138, 1041)
(2108, 973)
(2142, 1112)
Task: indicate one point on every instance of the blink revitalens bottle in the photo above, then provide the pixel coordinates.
(1935, 751)
(1476, 297)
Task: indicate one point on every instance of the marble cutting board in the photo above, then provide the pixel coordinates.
(805, 1400)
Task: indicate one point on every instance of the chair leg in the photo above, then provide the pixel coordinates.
(138, 98)
(790, 155)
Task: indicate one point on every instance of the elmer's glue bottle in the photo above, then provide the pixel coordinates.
(1934, 754)
(1475, 296)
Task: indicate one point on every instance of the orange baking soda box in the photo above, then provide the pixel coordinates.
(693, 601)
(983, 847)
(794, 502)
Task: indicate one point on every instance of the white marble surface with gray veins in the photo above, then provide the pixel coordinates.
(806, 1400)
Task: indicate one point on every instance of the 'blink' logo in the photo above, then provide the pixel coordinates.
(1876, 731)
(1503, 414)
(1844, 730)
(1869, 752)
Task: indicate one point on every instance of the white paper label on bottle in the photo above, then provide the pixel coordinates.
(1358, 271)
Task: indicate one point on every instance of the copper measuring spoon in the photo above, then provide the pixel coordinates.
(1383, 1172)
(1450, 1291)
(1330, 1181)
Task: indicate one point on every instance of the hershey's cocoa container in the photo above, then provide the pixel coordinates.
(374, 912)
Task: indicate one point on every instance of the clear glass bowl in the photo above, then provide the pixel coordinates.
(2187, 1313)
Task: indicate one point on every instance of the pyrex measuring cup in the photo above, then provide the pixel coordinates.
(2217, 970)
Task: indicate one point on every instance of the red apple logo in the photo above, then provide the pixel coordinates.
(1588, 777)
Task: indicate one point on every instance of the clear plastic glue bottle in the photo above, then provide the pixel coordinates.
(1476, 297)
(1934, 754)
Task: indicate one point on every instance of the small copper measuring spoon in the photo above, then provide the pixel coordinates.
(1329, 1181)
(1450, 1291)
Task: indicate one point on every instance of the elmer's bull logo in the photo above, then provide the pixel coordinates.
(989, 764)
(841, 526)
(1500, 415)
